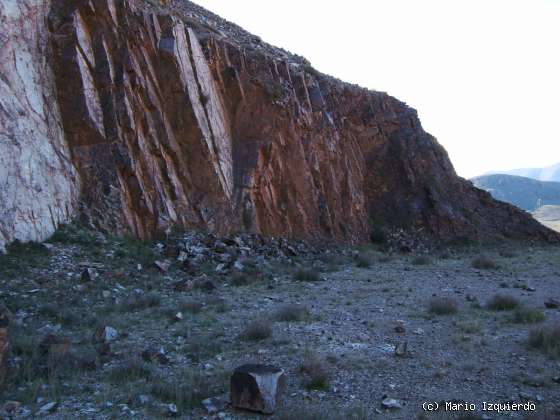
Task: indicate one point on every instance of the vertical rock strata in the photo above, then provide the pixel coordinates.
(173, 116)
(38, 183)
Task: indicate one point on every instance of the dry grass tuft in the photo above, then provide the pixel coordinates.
(443, 306)
(547, 340)
(501, 302)
(258, 330)
(484, 263)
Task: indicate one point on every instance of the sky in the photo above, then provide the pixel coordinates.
(484, 75)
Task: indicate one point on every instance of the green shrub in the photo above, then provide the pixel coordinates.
(484, 263)
(527, 316)
(139, 302)
(292, 313)
(547, 340)
(500, 302)
(187, 390)
(191, 306)
(421, 260)
(258, 330)
(130, 370)
(73, 234)
(307, 275)
(442, 306)
(363, 260)
(317, 373)
(241, 279)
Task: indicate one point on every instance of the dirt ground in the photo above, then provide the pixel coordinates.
(332, 322)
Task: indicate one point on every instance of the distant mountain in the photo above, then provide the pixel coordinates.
(526, 193)
(550, 173)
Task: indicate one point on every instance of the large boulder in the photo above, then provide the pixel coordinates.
(257, 388)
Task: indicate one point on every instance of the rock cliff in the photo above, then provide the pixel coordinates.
(172, 116)
(38, 183)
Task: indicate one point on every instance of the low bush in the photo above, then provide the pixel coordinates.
(442, 306)
(500, 302)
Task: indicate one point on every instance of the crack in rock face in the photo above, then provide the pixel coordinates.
(140, 118)
(38, 183)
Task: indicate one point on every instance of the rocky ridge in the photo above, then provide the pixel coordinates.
(173, 116)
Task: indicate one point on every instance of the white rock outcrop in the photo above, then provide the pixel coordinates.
(38, 183)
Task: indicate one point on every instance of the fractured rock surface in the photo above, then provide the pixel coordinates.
(173, 116)
(38, 183)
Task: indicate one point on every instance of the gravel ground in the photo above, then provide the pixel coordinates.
(334, 337)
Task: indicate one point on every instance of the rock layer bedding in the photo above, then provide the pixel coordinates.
(165, 115)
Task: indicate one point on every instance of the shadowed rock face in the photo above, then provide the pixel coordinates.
(174, 116)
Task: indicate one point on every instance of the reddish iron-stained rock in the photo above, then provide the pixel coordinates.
(182, 118)
(172, 116)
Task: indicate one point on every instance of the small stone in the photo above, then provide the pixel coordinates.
(155, 356)
(48, 408)
(257, 388)
(209, 406)
(206, 285)
(172, 410)
(163, 266)
(391, 404)
(418, 331)
(11, 407)
(178, 317)
(183, 256)
(401, 349)
(184, 286)
(105, 335)
(144, 399)
(552, 303)
(238, 265)
(106, 294)
(471, 298)
(525, 396)
(89, 274)
(215, 404)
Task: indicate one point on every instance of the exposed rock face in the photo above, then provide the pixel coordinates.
(38, 183)
(174, 116)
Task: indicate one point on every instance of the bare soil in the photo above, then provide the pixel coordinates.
(334, 337)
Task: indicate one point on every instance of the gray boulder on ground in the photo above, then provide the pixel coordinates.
(257, 388)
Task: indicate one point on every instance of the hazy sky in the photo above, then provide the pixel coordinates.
(484, 75)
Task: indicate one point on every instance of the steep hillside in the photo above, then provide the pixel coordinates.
(525, 193)
(169, 115)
